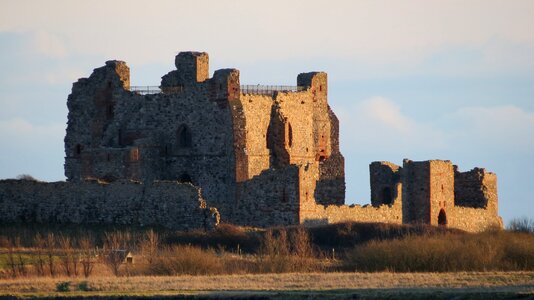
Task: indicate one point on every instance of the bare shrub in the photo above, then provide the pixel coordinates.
(522, 225)
(186, 260)
(282, 254)
(447, 253)
(69, 257)
(50, 247)
(12, 264)
(300, 242)
(229, 236)
(39, 245)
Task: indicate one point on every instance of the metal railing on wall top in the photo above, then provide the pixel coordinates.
(245, 89)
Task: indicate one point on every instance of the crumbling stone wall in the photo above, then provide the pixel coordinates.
(384, 177)
(201, 130)
(182, 134)
(168, 204)
(434, 192)
(476, 188)
(269, 199)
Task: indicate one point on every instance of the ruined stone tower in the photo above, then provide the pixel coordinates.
(207, 131)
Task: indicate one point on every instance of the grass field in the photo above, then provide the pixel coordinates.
(288, 285)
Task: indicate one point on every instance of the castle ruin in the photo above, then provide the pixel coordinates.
(257, 155)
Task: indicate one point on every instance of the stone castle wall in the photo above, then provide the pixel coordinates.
(476, 188)
(269, 199)
(184, 135)
(168, 204)
(260, 159)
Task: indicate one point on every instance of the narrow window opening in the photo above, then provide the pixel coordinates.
(134, 154)
(78, 150)
(110, 111)
(184, 136)
(387, 196)
(289, 135)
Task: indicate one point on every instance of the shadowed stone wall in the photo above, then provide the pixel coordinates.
(169, 204)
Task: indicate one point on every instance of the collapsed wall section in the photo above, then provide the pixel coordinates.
(168, 204)
(476, 188)
(269, 199)
(384, 178)
(312, 213)
(182, 134)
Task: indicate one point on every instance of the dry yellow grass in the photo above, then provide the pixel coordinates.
(498, 281)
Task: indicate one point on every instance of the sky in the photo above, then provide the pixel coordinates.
(408, 79)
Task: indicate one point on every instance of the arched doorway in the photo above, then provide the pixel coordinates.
(185, 178)
(442, 218)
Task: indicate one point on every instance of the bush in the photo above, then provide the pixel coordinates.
(27, 177)
(63, 286)
(351, 234)
(447, 253)
(225, 236)
(84, 286)
(186, 260)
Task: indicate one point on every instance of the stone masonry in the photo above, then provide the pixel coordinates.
(261, 156)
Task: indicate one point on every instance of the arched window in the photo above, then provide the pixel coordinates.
(442, 218)
(183, 136)
(386, 196)
(185, 178)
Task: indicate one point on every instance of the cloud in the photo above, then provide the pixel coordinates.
(29, 148)
(506, 127)
(22, 131)
(49, 44)
(374, 32)
(379, 124)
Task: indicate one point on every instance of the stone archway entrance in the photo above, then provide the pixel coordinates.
(442, 218)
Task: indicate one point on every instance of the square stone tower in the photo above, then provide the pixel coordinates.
(428, 191)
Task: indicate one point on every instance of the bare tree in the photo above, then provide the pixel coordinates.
(50, 245)
(115, 244)
(11, 258)
(87, 255)
(66, 255)
(39, 244)
(300, 242)
(150, 245)
(21, 266)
